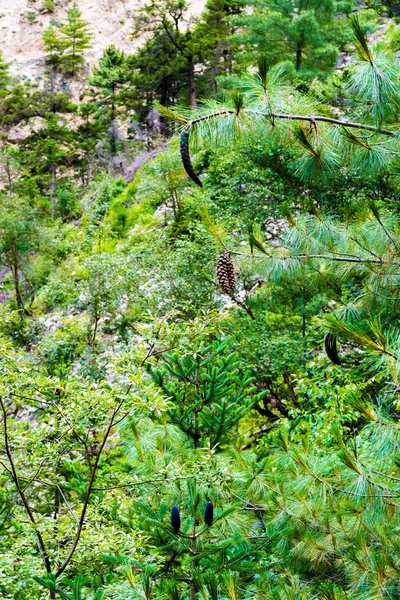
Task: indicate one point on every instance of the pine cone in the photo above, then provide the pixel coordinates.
(186, 160)
(225, 272)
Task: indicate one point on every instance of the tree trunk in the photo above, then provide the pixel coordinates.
(18, 295)
(113, 142)
(8, 172)
(53, 170)
(88, 172)
(192, 84)
(299, 50)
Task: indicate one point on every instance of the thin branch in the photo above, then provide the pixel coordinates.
(67, 504)
(147, 481)
(334, 258)
(172, 39)
(35, 475)
(21, 493)
(291, 117)
(6, 468)
(80, 438)
(333, 121)
(88, 493)
(219, 113)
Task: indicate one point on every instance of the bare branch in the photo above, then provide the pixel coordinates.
(88, 493)
(21, 492)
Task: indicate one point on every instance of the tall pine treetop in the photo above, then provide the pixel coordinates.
(66, 45)
(4, 72)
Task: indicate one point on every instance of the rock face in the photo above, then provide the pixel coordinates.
(22, 23)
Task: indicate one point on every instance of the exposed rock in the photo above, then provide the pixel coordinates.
(21, 36)
(21, 132)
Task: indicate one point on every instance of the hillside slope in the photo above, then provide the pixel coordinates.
(22, 23)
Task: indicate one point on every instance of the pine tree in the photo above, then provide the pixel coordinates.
(111, 81)
(66, 44)
(55, 46)
(188, 57)
(308, 34)
(390, 8)
(78, 38)
(19, 238)
(320, 144)
(209, 398)
(5, 78)
(46, 153)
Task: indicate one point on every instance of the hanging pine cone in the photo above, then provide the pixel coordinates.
(209, 514)
(331, 348)
(186, 160)
(225, 272)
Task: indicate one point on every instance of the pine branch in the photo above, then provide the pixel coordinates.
(291, 117)
(361, 41)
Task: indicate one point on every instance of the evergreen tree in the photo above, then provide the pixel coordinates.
(181, 48)
(19, 237)
(66, 44)
(207, 403)
(309, 34)
(5, 78)
(390, 8)
(87, 134)
(168, 16)
(212, 398)
(45, 153)
(78, 38)
(22, 102)
(55, 46)
(317, 149)
(111, 81)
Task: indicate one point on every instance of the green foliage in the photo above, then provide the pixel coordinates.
(49, 152)
(111, 82)
(4, 73)
(65, 45)
(167, 66)
(129, 383)
(209, 396)
(19, 236)
(321, 144)
(309, 35)
(390, 8)
(49, 5)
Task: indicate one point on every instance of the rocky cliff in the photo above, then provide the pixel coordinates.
(22, 23)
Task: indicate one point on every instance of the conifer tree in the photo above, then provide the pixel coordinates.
(46, 152)
(78, 38)
(19, 237)
(87, 136)
(5, 78)
(390, 8)
(111, 80)
(168, 16)
(306, 33)
(55, 47)
(209, 397)
(66, 44)
(181, 48)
